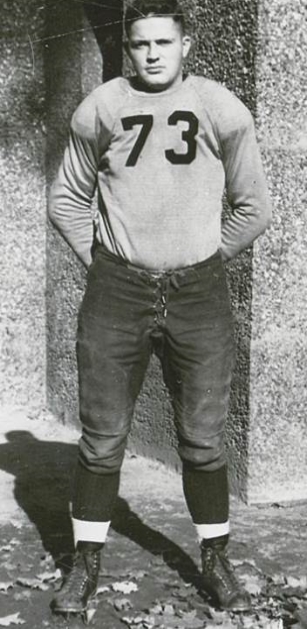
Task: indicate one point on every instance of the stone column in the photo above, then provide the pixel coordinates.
(23, 205)
(77, 34)
(277, 440)
(259, 50)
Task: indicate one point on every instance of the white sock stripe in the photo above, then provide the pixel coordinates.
(208, 531)
(86, 531)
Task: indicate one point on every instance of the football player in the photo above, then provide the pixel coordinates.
(161, 147)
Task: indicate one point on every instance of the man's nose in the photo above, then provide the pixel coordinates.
(153, 52)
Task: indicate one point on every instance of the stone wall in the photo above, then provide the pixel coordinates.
(277, 462)
(76, 38)
(53, 54)
(23, 205)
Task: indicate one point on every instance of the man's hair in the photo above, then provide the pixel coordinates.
(138, 9)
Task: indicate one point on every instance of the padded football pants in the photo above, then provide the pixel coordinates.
(184, 316)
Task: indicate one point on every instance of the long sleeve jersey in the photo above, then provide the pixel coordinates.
(161, 162)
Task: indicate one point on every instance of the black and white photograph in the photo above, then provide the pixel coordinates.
(153, 314)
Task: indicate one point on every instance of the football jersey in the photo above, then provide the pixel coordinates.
(161, 162)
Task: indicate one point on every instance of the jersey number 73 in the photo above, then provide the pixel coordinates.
(188, 136)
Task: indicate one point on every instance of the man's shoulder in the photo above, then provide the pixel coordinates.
(100, 104)
(219, 101)
(108, 91)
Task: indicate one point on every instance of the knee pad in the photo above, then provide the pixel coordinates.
(206, 454)
(102, 454)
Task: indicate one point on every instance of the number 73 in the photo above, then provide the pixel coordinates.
(146, 122)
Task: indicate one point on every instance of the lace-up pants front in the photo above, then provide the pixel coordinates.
(184, 316)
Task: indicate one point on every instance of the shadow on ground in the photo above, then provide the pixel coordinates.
(43, 472)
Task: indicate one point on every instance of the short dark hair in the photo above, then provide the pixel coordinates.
(138, 9)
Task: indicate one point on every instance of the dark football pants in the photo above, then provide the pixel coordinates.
(184, 316)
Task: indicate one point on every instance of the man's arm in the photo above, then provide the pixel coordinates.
(73, 189)
(246, 186)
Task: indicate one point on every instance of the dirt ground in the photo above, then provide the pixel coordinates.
(150, 574)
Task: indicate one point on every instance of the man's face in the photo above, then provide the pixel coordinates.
(157, 47)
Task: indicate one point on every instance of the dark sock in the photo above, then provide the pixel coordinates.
(84, 547)
(215, 542)
(94, 495)
(206, 494)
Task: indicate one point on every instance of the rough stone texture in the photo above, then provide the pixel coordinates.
(258, 49)
(23, 205)
(277, 462)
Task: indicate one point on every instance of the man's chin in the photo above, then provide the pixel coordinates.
(156, 83)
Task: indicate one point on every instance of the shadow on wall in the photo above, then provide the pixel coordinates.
(67, 59)
(105, 17)
(70, 56)
(43, 471)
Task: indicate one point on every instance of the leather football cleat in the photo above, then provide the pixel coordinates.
(80, 585)
(218, 577)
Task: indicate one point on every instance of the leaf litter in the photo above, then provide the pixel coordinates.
(278, 602)
(13, 619)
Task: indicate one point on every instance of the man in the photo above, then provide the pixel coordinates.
(161, 147)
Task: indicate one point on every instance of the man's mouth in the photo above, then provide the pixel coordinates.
(154, 69)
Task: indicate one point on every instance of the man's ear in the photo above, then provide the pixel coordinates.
(187, 43)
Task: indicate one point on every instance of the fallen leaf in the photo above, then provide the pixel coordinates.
(125, 587)
(137, 574)
(157, 609)
(189, 620)
(278, 579)
(294, 582)
(219, 617)
(102, 589)
(6, 585)
(253, 584)
(50, 576)
(248, 622)
(132, 621)
(237, 562)
(122, 604)
(11, 620)
(34, 584)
